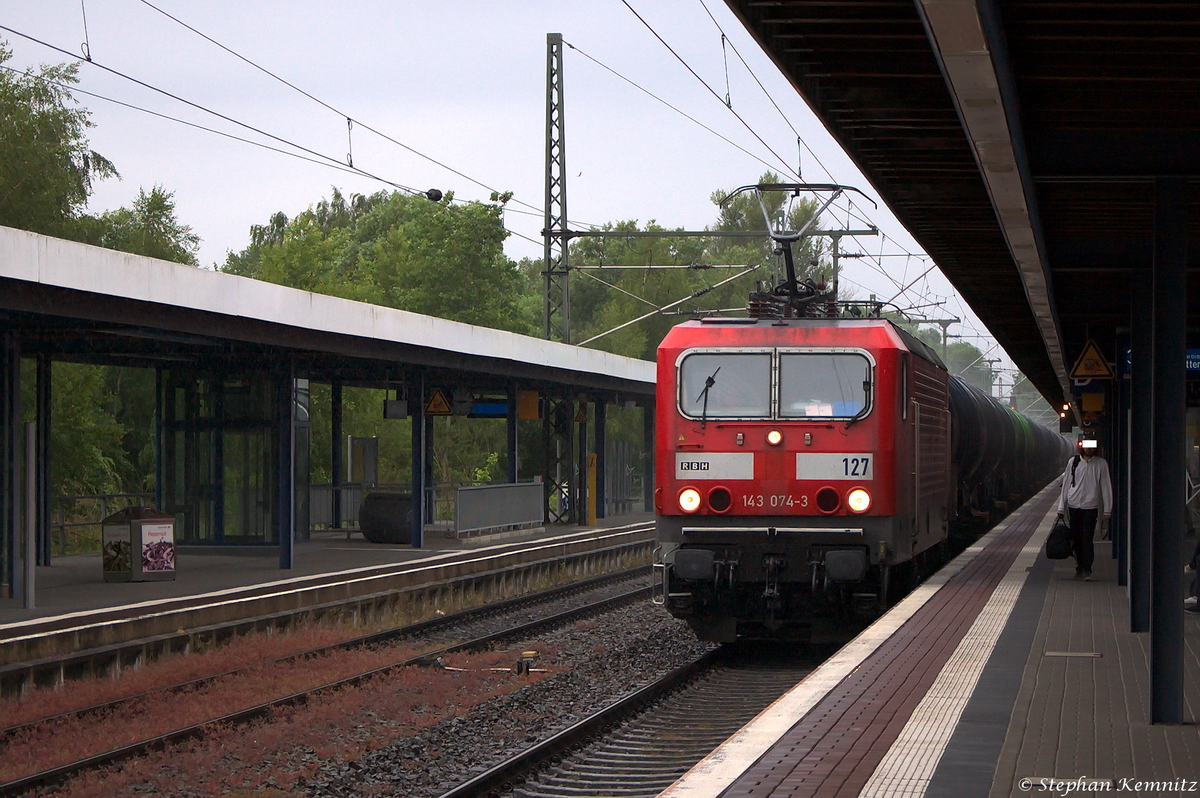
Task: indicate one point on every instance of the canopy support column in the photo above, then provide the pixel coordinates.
(336, 443)
(601, 443)
(417, 414)
(1170, 493)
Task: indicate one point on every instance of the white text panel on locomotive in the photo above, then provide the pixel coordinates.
(835, 466)
(714, 465)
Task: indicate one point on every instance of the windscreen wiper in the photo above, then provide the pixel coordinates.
(709, 382)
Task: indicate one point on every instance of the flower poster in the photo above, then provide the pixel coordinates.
(158, 546)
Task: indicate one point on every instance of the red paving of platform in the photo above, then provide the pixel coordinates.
(834, 749)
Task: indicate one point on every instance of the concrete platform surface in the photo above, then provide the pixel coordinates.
(1082, 710)
(1046, 692)
(75, 583)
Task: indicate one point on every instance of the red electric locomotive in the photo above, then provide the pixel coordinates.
(798, 461)
(806, 452)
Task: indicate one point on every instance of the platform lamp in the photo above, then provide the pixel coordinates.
(1065, 422)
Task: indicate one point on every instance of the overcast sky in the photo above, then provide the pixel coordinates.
(463, 83)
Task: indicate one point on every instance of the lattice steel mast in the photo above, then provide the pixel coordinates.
(557, 294)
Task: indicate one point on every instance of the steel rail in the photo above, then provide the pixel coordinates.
(506, 773)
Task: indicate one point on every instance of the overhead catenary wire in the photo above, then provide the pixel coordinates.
(349, 118)
(318, 158)
(799, 139)
(207, 110)
(86, 47)
(654, 96)
(350, 121)
(786, 166)
(639, 87)
(850, 208)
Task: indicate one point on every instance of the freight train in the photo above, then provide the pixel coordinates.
(803, 464)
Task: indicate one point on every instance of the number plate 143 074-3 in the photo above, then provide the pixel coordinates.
(835, 466)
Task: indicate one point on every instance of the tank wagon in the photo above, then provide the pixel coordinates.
(803, 464)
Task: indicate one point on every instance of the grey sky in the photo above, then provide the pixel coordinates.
(462, 82)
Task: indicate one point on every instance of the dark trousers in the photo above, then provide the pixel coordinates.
(1083, 529)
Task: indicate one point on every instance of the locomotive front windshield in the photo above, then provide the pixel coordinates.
(726, 385)
(823, 385)
(774, 384)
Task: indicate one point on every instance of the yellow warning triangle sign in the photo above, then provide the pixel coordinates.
(438, 406)
(1091, 364)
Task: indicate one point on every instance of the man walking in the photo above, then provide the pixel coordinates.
(1086, 494)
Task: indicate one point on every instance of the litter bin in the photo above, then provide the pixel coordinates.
(139, 545)
(386, 517)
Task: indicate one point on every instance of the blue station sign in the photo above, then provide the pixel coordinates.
(1193, 362)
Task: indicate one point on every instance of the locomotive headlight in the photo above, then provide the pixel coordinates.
(774, 437)
(858, 500)
(689, 500)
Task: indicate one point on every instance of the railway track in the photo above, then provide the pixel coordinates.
(442, 625)
(642, 743)
(49, 651)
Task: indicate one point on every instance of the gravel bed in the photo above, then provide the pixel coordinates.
(605, 659)
(502, 620)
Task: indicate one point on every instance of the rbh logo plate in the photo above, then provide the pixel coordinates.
(720, 465)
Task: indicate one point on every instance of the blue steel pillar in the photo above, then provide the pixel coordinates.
(159, 464)
(1120, 466)
(581, 484)
(511, 434)
(1141, 451)
(285, 431)
(601, 465)
(10, 467)
(43, 459)
(430, 497)
(336, 440)
(1170, 493)
(1114, 453)
(416, 412)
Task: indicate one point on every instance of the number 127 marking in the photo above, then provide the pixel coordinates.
(855, 466)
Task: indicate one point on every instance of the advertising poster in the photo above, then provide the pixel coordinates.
(116, 553)
(158, 546)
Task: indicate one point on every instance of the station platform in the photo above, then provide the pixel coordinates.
(75, 583)
(999, 675)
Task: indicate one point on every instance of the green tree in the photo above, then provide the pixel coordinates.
(396, 250)
(962, 359)
(150, 227)
(743, 213)
(103, 417)
(46, 166)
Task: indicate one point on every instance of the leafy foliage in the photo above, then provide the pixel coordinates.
(102, 431)
(405, 252)
(46, 166)
(963, 359)
(148, 228)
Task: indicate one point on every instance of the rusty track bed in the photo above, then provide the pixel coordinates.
(60, 773)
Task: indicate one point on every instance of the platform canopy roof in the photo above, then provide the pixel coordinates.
(81, 302)
(1017, 140)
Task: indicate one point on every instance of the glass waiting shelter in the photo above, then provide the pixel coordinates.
(219, 437)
